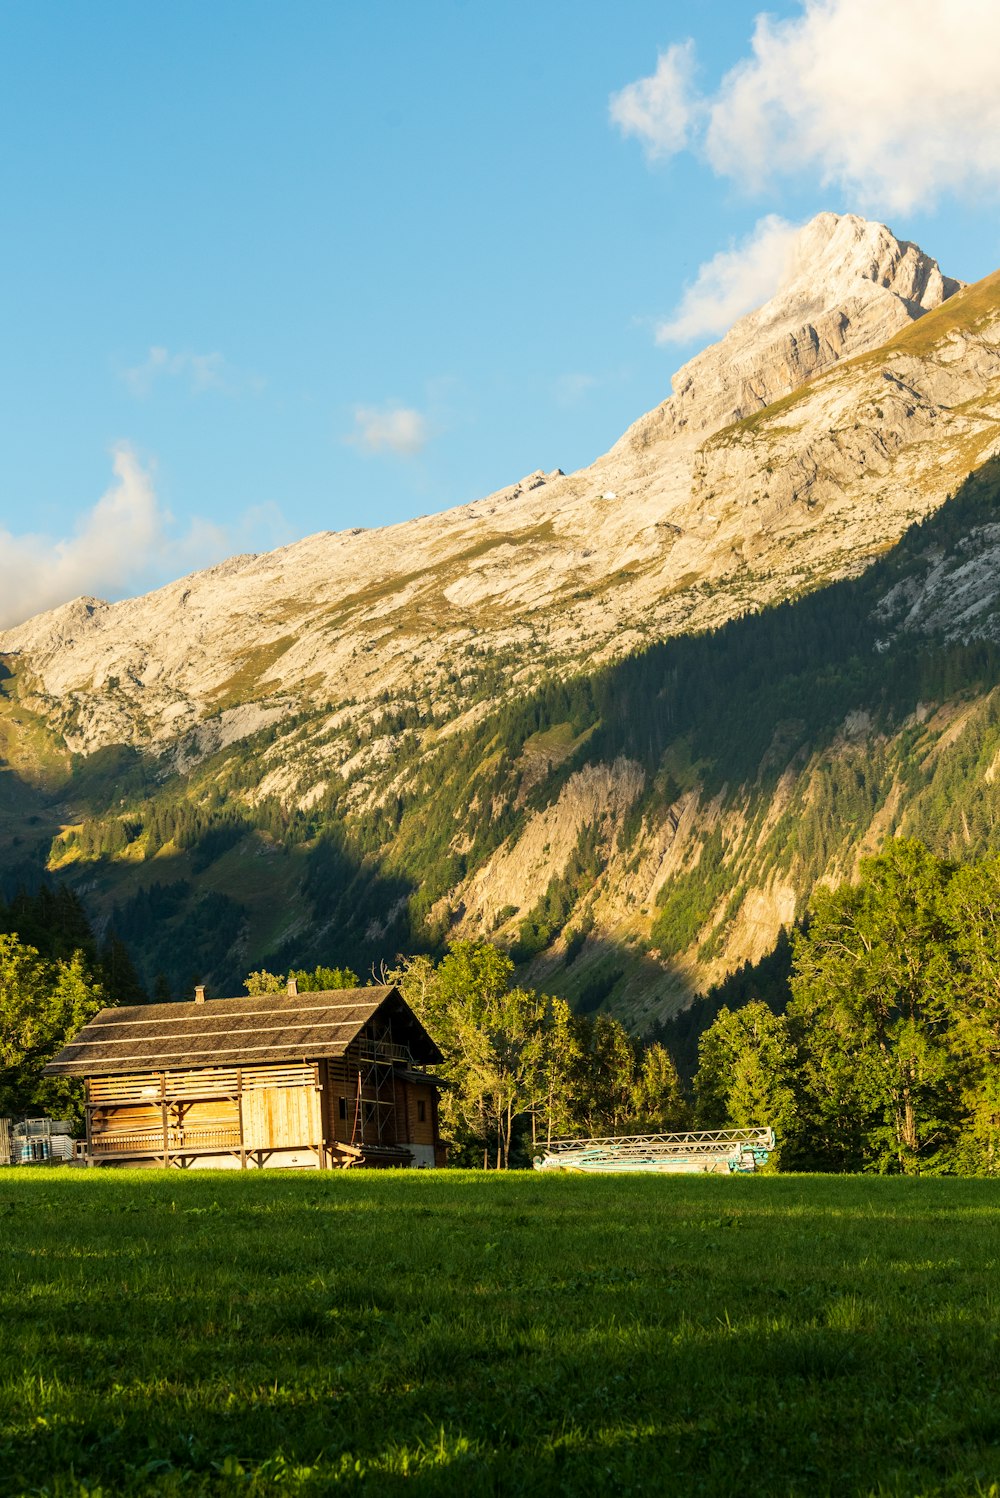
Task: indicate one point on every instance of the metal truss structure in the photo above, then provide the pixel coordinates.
(720, 1151)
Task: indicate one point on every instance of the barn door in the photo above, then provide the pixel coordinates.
(281, 1118)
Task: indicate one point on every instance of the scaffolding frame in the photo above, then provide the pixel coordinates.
(377, 1056)
(709, 1150)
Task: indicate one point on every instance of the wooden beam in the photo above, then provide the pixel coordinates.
(86, 1115)
(321, 1109)
(239, 1109)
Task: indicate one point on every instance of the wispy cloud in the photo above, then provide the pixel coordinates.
(733, 282)
(126, 524)
(662, 109)
(126, 542)
(199, 372)
(390, 428)
(896, 103)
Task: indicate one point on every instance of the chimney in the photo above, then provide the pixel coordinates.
(292, 988)
(199, 993)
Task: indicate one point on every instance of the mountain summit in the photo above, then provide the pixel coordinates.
(848, 286)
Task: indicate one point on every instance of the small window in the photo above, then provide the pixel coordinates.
(421, 1111)
(343, 1107)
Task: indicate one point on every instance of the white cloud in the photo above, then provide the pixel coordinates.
(201, 372)
(123, 528)
(125, 543)
(733, 282)
(660, 110)
(896, 103)
(390, 428)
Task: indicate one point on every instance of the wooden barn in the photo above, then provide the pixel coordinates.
(311, 1081)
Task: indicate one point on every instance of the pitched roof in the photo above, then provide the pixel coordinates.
(237, 1032)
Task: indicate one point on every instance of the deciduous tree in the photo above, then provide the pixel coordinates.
(873, 1000)
(746, 1073)
(42, 1005)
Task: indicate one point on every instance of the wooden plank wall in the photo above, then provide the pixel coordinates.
(201, 1083)
(280, 1109)
(421, 1131)
(281, 1118)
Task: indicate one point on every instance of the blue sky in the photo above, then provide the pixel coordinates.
(272, 269)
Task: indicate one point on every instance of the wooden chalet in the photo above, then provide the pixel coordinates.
(311, 1081)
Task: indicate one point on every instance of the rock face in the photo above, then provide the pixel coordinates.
(849, 285)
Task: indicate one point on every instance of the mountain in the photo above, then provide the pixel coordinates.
(849, 285)
(716, 507)
(471, 724)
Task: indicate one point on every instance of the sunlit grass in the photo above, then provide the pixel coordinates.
(461, 1333)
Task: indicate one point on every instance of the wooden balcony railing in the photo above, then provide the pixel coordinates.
(150, 1141)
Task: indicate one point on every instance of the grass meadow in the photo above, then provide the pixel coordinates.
(461, 1333)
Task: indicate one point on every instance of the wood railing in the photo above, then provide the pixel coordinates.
(151, 1142)
(207, 1082)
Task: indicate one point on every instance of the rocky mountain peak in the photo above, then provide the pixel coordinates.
(848, 284)
(358, 710)
(832, 254)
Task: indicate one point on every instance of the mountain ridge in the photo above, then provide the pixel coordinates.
(549, 555)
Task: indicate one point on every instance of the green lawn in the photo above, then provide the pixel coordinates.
(468, 1334)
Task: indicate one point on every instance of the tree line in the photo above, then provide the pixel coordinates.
(886, 1056)
(877, 1050)
(522, 1069)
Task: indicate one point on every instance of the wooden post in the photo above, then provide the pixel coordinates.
(321, 1131)
(239, 1106)
(163, 1112)
(86, 1114)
